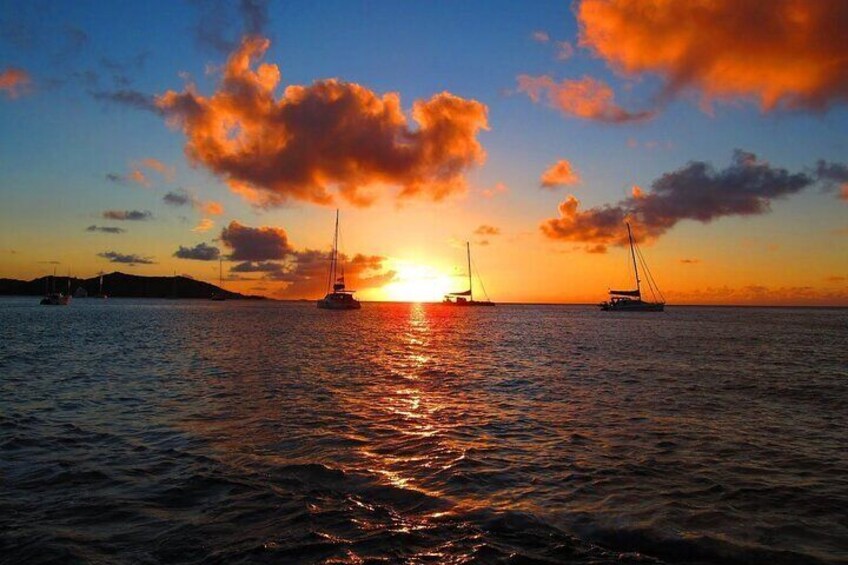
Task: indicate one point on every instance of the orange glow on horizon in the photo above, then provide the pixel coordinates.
(417, 282)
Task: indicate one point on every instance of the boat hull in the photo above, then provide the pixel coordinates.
(330, 302)
(633, 306)
(464, 303)
(56, 300)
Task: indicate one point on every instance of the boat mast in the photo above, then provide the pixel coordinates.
(470, 286)
(220, 273)
(333, 256)
(633, 255)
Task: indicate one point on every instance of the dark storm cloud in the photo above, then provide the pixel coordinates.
(696, 191)
(129, 259)
(257, 267)
(200, 252)
(255, 244)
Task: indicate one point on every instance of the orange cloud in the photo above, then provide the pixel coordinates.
(138, 177)
(211, 208)
(204, 225)
(499, 188)
(784, 53)
(307, 277)
(560, 173)
(486, 229)
(168, 173)
(587, 98)
(694, 192)
(14, 82)
(325, 137)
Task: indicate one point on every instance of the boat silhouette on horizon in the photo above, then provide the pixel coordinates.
(466, 297)
(51, 296)
(631, 300)
(338, 297)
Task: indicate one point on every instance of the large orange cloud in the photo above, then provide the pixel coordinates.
(784, 53)
(329, 136)
(586, 98)
(14, 81)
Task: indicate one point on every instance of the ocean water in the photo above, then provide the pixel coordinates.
(142, 431)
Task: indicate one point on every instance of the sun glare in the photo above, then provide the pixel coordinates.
(418, 283)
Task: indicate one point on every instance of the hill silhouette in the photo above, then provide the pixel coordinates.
(122, 285)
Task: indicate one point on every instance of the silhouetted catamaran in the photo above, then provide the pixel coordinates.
(631, 300)
(459, 298)
(338, 297)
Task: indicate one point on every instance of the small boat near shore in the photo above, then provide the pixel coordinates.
(219, 296)
(466, 297)
(631, 300)
(53, 298)
(338, 297)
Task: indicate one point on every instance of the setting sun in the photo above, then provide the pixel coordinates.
(418, 283)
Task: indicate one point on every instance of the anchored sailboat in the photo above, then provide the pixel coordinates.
(459, 298)
(100, 293)
(338, 297)
(631, 300)
(219, 295)
(53, 298)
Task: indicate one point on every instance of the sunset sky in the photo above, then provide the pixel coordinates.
(156, 137)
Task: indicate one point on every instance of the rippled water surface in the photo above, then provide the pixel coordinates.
(181, 431)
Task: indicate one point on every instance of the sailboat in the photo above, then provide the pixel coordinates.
(53, 298)
(338, 297)
(219, 296)
(459, 298)
(100, 288)
(631, 300)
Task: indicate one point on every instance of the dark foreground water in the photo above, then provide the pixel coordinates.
(161, 431)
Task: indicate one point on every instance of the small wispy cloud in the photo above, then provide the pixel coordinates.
(200, 252)
(105, 229)
(128, 259)
(128, 215)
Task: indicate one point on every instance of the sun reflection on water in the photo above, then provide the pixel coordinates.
(413, 408)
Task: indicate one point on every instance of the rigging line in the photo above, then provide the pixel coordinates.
(653, 282)
(644, 271)
(340, 254)
(480, 280)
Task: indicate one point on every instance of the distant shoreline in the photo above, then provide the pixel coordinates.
(251, 298)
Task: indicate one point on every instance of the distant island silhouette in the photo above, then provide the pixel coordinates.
(122, 285)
